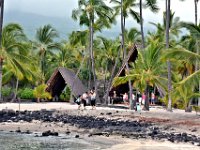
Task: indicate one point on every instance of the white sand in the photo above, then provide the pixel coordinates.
(152, 145)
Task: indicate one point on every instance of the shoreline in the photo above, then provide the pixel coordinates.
(108, 123)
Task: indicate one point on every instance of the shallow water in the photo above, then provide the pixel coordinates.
(17, 141)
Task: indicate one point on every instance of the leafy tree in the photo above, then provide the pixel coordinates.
(108, 58)
(13, 50)
(45, 44)
(168, 9)
(40, 93)
(148, 70)
(175, 29)
(127, 8)
(96, 15)
(190, 79)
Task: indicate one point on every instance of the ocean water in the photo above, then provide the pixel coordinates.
(18, 141)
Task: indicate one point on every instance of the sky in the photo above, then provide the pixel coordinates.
(63, 9)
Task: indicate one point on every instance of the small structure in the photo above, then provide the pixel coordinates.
(124, 88)
(62, 77)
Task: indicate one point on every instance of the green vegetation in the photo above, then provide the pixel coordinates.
(40, 93)
(65, 95)
(26, 93)
(6, 91)
(167, 61)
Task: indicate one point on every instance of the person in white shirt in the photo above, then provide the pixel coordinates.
(125, 98)
(84, 98)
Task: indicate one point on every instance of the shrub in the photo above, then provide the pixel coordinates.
(40, 93)
(26, 93)
(6, 91)
(65, 96)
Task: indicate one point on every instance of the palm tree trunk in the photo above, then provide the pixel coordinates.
(1, 19)
(1, 59)
(125, 57)
(16, 89)
(196, 13)
(92, 58)
(197, 45)
(1, 75)
(197, 67)
(42, 68)
(89, 68)
(169, 107)
(146, 104)
(111, 78)
(141, 25)
(105, 78)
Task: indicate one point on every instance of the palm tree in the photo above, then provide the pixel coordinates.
(188, 83)
(197, 47)
(175, 27)
(1, 26)
(1, 17)
(125, 7)
(147, 71)
(96, 15)
(125, 53)
(154, 8)
(132, 37)
(128, 10)
(183, 94)
(108, 57)
(168, 9)
(12, 50)
(45, 44)
(169, 22)
(195, 34)
(79, 42)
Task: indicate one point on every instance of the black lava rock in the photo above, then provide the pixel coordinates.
(76, 136)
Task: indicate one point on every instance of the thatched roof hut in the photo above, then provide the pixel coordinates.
(124, 88)
(62, 77)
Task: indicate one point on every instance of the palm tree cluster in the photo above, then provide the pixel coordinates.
(168, 60)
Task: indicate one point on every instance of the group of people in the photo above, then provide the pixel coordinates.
(86, 98)
(141, 99)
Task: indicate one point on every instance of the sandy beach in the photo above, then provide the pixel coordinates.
(175, 122)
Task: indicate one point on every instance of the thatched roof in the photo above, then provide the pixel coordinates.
(62, 77)
(132, 56)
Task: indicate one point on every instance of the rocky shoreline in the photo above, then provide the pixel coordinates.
(101, 125)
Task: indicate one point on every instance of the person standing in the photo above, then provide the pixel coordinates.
(152, 98)
(125, 98)
(84, 99)
(143, 98)
(114, 97)
(93, 99)
(78, 101)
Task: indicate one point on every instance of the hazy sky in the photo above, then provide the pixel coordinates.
(63, 8)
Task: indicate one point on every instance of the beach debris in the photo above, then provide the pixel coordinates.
(18, 130)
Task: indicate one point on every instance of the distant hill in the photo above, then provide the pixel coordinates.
(30, 22)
